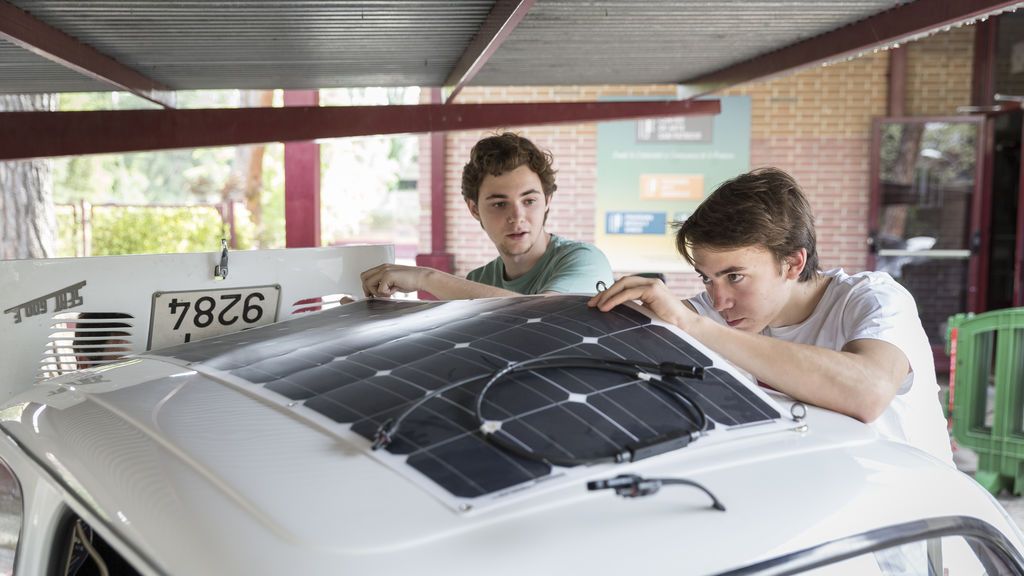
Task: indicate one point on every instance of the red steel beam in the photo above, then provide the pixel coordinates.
(302, 182)
(34, 35)
(500, 22)
(895, 24)
(41, 134)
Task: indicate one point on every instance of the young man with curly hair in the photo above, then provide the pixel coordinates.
(850, 343)
(507, 185)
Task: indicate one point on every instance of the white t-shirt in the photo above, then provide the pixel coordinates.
(873, 305)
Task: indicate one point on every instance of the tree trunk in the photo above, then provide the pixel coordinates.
(245, 183)
(27, 220)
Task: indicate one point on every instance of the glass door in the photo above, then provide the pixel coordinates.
(925, 218)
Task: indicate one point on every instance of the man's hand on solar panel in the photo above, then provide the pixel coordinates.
(385, 280)
(652, 293)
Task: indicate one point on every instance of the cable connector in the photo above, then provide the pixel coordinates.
(660, 445)
(634, 486)
(383, 436)
(684, 370)
(627, 485)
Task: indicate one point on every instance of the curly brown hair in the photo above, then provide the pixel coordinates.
(501, 153)
(764, 207)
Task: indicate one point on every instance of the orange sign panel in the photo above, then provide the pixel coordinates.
(671, 186)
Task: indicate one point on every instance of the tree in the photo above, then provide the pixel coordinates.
(27, 221)
(245, 183)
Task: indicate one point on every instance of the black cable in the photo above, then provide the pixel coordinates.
(387, 430)
(634, 486)
(643, 370)
(640, 370)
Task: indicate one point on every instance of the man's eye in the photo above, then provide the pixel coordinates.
(734, 278)
(529, 201)
(498, 205)
(704, 279)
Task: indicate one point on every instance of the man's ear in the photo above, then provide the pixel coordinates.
(473, 209)
(795, 263)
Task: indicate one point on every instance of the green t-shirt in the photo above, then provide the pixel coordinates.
(566, 267)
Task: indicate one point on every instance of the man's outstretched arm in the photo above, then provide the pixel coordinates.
(859, 381)
(385, 280)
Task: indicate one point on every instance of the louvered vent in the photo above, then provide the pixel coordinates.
(84, 340)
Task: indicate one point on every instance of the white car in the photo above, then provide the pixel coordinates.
(478, 437)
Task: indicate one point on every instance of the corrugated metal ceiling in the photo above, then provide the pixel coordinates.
(22, 71)
(321, 44)
(662, 41)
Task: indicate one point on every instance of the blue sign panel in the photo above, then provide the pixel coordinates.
(634, 223)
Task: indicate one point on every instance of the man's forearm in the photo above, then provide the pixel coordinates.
(849, 383)
(449, 287)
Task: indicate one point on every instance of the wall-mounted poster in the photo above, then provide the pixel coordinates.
(653, 172)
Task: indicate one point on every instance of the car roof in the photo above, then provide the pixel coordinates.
(201, 476)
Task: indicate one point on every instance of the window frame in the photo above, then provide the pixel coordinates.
(973, 530)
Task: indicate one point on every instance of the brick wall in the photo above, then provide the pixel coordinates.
(814, 123)
(939, 73)
(574, 147)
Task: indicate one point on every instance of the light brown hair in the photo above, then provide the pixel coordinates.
(496, 155)
(764, 207)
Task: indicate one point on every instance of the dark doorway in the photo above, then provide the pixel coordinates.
(1004, 290)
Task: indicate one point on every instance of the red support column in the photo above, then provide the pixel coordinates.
(983, 70)
(437, 258)
(302, 182)
(897, 82)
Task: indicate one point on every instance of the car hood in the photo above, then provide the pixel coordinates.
(204, 476)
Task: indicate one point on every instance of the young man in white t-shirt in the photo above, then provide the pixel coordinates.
(850, 343)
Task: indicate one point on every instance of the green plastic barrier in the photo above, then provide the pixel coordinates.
(987, 393)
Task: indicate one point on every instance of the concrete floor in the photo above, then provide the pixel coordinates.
(1015, 506)
(967, 461)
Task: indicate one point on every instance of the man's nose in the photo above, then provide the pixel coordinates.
(721, 297)
(516, 214)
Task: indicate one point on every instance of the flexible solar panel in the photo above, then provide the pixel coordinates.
(364, 363)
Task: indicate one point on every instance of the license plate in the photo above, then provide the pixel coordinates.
(186, 316)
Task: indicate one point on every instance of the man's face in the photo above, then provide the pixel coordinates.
(749, 287)
(511, 209)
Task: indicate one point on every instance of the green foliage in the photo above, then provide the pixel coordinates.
(154, 229)
(69, 231)
(150, 229)
(245, 230)
(272, 197)
(360, 180)
(167, 176)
